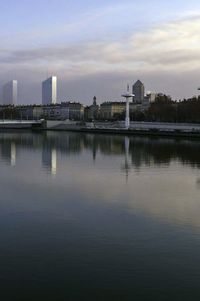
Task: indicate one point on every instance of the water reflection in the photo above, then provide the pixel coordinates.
(49, 159)
(68, 225)
(13, 154)
(137, 151)
(126, 166)
(8, 152)
(153, 164)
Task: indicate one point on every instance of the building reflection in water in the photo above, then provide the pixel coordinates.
(198, 183)
(126, 167)
(137, 151)
(13, 154)
(8, 152)
(169, 169)
(49, 159)
(54, 162)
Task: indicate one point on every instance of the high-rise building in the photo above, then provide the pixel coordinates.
(49, 91)
(138, 90)
(10, 93)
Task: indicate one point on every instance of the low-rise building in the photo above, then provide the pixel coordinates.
(112, 110)
(151, 97)
(92, 112)
(30, 111)
(76, 110)
(63, 111)
(56, 112)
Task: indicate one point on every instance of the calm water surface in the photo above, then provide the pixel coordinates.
(93, 217)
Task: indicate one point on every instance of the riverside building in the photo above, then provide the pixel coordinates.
(10, 93)
(49, 91)
(138, 90)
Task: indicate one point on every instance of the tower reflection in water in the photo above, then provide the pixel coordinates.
(13, 154)
(126, 167)
(133, 152)
(8, 152)
(49, 159)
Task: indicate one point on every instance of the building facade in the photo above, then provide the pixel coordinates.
(138, 90)
(32, 112)
(63, 111)
(49, 91)
(112, 110)
(10, 93)
(152, 97)
(92, 112)
(56, 112)
(76, 110)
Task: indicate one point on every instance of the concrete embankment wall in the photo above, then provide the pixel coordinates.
(21, 124)
(133, 132)
(137, 128)
(51, 124)
(15, 126)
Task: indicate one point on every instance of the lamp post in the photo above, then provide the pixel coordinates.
(127, 95)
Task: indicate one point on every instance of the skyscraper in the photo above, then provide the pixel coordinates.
(138, 90)
(49, 91)
(10, 93)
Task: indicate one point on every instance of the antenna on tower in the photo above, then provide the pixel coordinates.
(127, 87)
(47, 72)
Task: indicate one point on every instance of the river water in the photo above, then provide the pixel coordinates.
(99, 217)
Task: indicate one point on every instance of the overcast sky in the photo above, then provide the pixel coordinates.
(96, 46)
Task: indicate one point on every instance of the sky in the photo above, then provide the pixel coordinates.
(97, 47)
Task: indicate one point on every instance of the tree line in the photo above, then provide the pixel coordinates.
(165, 109)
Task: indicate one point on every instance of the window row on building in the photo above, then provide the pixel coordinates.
(63, 111)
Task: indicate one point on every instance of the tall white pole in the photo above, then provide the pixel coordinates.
(127, 120)
(127, 95)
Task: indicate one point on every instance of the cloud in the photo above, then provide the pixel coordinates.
(168, 50)
(174, 44)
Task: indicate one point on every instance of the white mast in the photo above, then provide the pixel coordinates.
(127, 95)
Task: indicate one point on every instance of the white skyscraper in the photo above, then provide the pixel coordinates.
(10, 93)
(49, 91)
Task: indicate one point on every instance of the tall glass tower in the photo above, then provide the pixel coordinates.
(10, 93)
(49, 91)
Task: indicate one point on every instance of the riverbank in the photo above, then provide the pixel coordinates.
(136, 128)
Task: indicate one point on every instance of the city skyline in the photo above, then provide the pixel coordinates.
(49, 93)
(157, 42)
